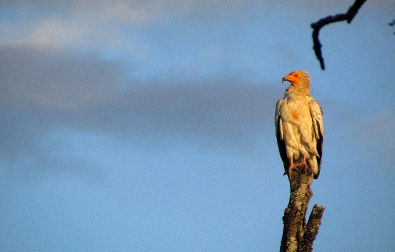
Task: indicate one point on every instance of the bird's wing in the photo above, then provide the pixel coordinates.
(280, 135)
(316, 115)
(278, 121)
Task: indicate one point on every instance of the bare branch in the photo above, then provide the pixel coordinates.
(311, 230)
(352, 11)
(297, 236)
(392, 23)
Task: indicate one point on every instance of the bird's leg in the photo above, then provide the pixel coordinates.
(291, 166)
(305, 164)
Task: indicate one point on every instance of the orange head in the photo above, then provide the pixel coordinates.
(293, 77)
(298, 77)
(300, 81)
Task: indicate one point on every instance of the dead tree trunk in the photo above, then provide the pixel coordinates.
(297, 236)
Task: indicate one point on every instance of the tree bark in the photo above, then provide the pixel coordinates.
(297, 236)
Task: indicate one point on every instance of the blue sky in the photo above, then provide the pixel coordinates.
(149, 125)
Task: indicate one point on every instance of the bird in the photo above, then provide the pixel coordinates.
(299, 126)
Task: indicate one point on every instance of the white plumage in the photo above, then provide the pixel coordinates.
(299, 126)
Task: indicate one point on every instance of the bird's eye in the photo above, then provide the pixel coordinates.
(296, 75)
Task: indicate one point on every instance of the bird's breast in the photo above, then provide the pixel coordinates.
(295, 111)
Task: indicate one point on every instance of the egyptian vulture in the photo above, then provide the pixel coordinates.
(299, 126)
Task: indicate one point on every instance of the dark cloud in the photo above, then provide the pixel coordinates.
(54, 80)
(43, 91)
(89, 91)
(224, 107)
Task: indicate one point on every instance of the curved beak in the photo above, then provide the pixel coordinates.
(285, 79)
